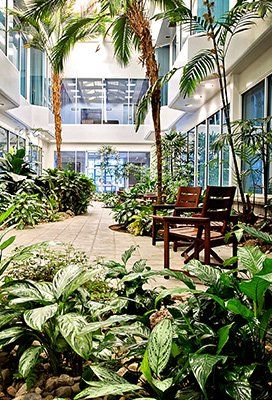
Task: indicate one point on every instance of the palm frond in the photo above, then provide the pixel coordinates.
(143, 108)
(196, 71)
(123, 39)
(78, 29)
(262, 7)
(38, 9)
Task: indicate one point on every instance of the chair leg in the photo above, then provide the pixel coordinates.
(154, 233)
(234, 250)
(175, 246)
(189, 248)
(216, 256)
(166, 247)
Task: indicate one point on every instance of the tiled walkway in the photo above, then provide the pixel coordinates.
(91, 233)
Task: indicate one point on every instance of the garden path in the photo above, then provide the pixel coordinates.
(91, 233)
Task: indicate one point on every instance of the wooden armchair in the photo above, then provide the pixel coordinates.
(188, 198)
(205, 230)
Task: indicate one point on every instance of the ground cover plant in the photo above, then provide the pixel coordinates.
(139, 342)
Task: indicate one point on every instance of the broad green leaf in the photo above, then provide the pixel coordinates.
(239, 391)
(105, 389)
(251, 258)
(30, 291)
(235, 306)
(10, 335)
(7, 317)
(128, 253)
(223, 336)
(159, 346)
(39, 316)
(205, 273)
(7, 243)
(202, 366)
(28, 360)
(266, 317)
(139, 266)
(163, 385)
(71, 326)
(114, 319)
(6, 214)
(106, 375)
(145, 368)
(64, 278)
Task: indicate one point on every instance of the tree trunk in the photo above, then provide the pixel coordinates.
(140, 25)
(56, 101)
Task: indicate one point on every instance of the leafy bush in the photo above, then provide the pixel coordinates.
(72, 190)
(126, 212)
(15, 171)
(141, 223)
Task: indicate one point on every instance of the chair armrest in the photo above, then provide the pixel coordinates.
(186, 220)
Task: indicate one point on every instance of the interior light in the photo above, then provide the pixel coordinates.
(71, 84)
(74, 90)
(197, 96)
(188, 105)
(2, 104)
(208, 85)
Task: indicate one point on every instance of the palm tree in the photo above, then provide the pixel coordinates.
(50, 27)
(212, 61)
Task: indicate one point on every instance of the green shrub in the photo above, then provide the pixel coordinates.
(72, 190)
(15, 171)
(141, 223)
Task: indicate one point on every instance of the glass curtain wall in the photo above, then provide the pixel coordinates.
(163, 60)
(3, 25)
(89, 163)
(220, 7)
(101, 101)
(23, 67)
(3, 141)
(210, 167)
(38, 94)
(253, 107)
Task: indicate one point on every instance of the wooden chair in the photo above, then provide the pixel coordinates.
(188, 198)
(205, 230)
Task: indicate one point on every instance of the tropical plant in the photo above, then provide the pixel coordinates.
(50, 28)
(216, 343)
(126, 210)
(211, 62)
(141, 223)
(69, 189)
(15, 171)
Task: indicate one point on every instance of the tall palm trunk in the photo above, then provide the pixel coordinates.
(56, 100)
(140, 25)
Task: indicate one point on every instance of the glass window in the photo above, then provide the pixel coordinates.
(214, 157)
(23, 66)
(88, 97)
(37, 77)
(253, 107)
(117, 96)
(3, 25)
(201, 154)
(21, 143)
(14, 44)
(137, 88)
(174, 49)
(13, 141)
(163, 60)
(68, 160)
(68, 101)
(81, 162)
(3, 141)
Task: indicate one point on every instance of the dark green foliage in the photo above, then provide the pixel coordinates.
(72, 190)
(15, 171)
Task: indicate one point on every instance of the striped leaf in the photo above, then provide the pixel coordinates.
(28, 360)
(251, 258)
(202, 366)
(106, 375)
(39, 316)
(71, 326)
(106, 389)
(159, 346)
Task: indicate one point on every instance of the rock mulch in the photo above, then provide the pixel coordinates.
(63, 386)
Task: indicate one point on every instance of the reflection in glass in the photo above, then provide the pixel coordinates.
(117, 96)
(214, 157)
(3, 25)
(191, 152)
(81, 162)
(137, 88)
(37, 77)
(253, 107)
(13, 141)
(14, 44)
(68, 103)
(3, 141)
(201, 153)
(23, 66)
(88, 98)
(21, 143)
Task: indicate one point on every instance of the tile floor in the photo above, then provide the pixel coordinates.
(91, 233)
